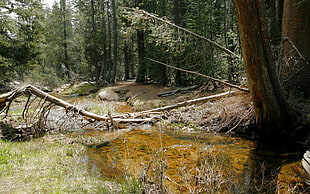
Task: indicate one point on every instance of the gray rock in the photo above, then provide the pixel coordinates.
(108, 94)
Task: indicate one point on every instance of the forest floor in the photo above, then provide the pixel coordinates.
(232, 114)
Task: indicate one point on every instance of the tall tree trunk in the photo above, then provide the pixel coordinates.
(126, 62)
(65, 37)
(115, 41)
(109, 42)
(296, 27)
(229, 42)
(179, 11)
(273, 113)
(141, 74)
(94, 55)
(276, 7)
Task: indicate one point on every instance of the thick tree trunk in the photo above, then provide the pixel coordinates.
(296, 27)
(272, 111)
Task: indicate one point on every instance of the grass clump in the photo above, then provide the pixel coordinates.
(131, 185)
(84, 88)
(47, 167)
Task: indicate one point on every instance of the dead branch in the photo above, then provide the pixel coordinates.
(202, 75)
(184, 30)
(168, 93)
(181, 90)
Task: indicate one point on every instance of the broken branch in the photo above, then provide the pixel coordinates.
(202, 75)
(185, 30)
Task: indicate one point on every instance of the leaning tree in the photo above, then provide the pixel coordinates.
(274, 115)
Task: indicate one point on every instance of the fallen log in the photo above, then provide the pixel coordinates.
(190, 102)
(181, 90)
(168, 93)
(138, 117)
(9, 97)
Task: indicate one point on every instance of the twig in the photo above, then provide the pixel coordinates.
(248, 113)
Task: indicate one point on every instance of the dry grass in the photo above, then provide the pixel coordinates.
(230, 114)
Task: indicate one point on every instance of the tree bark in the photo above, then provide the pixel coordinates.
(296, 27)
(273, 113)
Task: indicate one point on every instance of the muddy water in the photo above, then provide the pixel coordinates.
(130, 152)
(176, 157)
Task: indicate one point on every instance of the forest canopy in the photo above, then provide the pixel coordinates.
(105, 41)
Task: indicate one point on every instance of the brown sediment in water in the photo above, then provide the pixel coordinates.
(134, 150)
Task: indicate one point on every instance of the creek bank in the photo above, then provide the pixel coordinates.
(230, 113)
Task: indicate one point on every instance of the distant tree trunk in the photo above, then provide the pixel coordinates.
(93, 51)
(141, 74)
(276, 12)
(131, 65)
(273, 113)
(179, 11)
(126, 62)
(65, 37)
(109, 42)
(115, 41)
(163, 78)
(296, 27)
(229, 42)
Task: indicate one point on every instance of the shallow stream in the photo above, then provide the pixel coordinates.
(175, 156)
(177, 159)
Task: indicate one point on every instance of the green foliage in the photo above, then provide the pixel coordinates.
(80, 36)
(42, 76)
(20, 37)
(168, 44)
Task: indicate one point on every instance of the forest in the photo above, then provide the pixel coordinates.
(255, 52)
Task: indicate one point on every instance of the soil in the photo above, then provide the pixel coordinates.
(144, 92)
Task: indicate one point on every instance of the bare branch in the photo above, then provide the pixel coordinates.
(202, 75)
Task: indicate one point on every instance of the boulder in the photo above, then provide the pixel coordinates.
(108, 94)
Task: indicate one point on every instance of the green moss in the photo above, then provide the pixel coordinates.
(81, 89)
